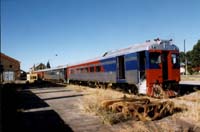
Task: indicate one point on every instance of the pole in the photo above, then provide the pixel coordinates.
(185, 58)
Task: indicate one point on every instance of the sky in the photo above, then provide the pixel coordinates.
(69, 31)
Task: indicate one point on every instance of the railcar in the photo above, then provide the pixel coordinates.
(57, 74)
(150, 68)
(31, 77)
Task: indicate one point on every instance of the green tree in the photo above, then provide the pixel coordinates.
(196, 55)
(48, 65)
(189, 62)
(189, 56)
(182, 57)
(193, 58)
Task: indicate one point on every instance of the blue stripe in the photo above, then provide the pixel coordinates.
(147, 60)
(109, 59)
(130, 55)
(131, 65)
(121, 81)
(110, 67)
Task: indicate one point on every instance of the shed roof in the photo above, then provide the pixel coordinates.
(8, 58)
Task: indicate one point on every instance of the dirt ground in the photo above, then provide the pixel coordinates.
(187, 119)
(50, 108)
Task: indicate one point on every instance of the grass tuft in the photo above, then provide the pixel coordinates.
(91, 104)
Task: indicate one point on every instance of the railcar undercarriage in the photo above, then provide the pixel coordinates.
(165, 90)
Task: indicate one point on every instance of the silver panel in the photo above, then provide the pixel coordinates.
(98, 76)
(132, 76)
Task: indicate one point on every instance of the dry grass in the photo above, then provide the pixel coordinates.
(149, 126)
(190, 77)
(135, 127)
(194, 97)
(190, 113)
(91, 104)
(78, 88)
(189, 103)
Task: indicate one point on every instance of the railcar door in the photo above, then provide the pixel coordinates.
(165, 65)
(142, 87)
(158, 69)
(154, 69)
(141, 65)
(174, 66)
(120, 68)
(158, 66)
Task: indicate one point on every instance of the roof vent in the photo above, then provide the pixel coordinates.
(105, 54)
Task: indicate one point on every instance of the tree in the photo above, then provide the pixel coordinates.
(189, 62)
(189, 57)
(48, 65)
(193, 58)
(196, 55)
(182, 57)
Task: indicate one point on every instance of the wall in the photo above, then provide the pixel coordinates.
(10, 65)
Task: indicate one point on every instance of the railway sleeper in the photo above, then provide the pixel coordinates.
(139, 109)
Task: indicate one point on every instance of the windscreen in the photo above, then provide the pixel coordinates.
(175, 60)
(155, 60)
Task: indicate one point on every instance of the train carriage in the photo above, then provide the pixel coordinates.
(57, 74)
(152, 67)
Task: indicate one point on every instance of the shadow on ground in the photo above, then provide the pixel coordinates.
(188, 88)
(23, 111)
(41, 84)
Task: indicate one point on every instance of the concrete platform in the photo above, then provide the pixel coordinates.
(190, 82)
(65, 102)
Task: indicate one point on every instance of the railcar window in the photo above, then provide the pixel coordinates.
(33, 77)
(78, 70)
(85, 70)
(82, 70)
(53, 72)
(98, 68)
(72, 71)
(91, 69)
(175, 60)
(155, 60)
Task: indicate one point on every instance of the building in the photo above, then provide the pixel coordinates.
(10, 68)
(39, 66)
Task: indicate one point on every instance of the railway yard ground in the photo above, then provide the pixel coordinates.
(59, 108)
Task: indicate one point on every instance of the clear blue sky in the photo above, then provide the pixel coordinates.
(34, 31)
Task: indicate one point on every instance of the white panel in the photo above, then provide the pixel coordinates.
(143, 87)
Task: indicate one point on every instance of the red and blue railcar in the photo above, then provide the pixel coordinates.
(152, 68)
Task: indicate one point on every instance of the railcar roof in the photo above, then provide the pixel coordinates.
(156, 44)
(53, 68)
